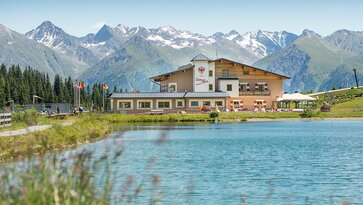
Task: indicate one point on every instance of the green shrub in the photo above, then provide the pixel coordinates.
(30, 117)
(214, 114)
(308, 112)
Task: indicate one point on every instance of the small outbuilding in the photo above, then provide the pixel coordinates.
(295, 101)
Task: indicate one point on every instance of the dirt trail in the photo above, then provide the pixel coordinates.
(31, 129)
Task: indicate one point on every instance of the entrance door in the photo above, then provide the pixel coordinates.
(259, 105)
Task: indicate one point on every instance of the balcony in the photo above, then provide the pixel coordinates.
(255, 93)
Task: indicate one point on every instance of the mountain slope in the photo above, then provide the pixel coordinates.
(314, 63)
(16, 49)
(55, 38)
(129, 66)
(261, 43)
(348, 40)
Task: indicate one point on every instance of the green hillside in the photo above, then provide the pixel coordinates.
(313, 63)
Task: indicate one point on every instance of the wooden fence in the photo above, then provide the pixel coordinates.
(5, 119)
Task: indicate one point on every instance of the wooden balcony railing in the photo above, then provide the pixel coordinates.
(255, 93)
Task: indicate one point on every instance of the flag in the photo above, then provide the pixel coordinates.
(81, 85)
(105, 87)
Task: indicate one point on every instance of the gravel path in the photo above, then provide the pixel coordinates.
(31, 129)
(24, 131)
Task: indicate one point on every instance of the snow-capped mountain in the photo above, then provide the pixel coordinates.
(16, 49)
(60, 41)
(108, 39)
(165, 47)
(261, 43)
(52, 36)
(128, 56)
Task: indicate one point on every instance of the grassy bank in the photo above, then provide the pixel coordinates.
(237, 116)
(86, 129)
(352, 108)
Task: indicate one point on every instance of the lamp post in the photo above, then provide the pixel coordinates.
(355, 75)
(35, 96)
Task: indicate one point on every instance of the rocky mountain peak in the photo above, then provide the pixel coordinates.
(309, 33)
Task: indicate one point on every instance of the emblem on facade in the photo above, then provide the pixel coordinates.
(201, 70)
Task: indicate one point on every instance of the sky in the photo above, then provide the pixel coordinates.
(205, 17)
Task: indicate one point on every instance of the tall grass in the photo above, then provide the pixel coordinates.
(54, 139)
(78, 177)
(30, 117)
(50, 181)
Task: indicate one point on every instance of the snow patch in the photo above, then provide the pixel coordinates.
(87, 45)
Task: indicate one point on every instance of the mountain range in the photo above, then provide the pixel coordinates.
(319, 63)
(128, 56)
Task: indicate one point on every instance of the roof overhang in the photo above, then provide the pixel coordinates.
(166, 75)
(158, 95)
(259, 69)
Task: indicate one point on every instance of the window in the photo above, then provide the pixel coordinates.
(243, 87)
(180, 103)
(172, 87)
(206, 103)
(164, 87)
(236, 104)
(194, 104)
(124, 105)
(164, 104)
(210, 73)
(210, 87)
(144, 104)
(218, 103)
(261, 87)
(229, 87)
(225, 73)
(246, 72)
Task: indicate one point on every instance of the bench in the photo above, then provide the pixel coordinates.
(156, 112)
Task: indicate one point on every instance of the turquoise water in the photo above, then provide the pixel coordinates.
(319, 162)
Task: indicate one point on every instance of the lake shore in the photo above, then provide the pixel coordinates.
(304, 119)
(91, 127)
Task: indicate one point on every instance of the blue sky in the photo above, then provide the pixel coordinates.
(206, 17)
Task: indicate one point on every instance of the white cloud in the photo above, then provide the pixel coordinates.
(98, 25)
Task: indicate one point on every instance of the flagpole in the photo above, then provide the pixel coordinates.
(103, 100)
(79, 97)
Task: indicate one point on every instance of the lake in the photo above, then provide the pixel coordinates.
(313, 162)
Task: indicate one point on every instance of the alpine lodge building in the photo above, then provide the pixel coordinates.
(221, 84)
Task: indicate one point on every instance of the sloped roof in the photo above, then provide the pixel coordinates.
(181, 68)
(225, 59)
(200, 57)
(207, 95)
(296, 97)
(171, 95)
(147, 95)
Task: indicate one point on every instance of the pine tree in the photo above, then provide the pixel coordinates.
(115, 89)
(58, 89)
